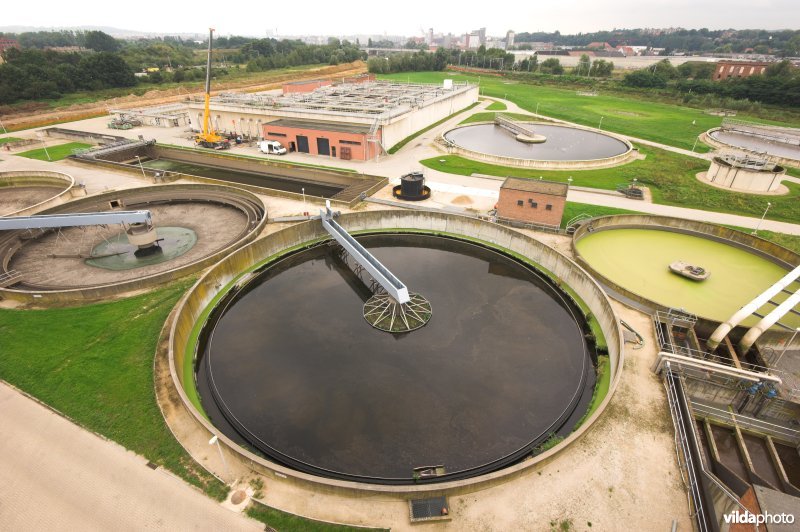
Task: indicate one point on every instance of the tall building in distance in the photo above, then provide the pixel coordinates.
(510, 38)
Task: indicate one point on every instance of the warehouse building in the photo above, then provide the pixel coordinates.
(358, 121)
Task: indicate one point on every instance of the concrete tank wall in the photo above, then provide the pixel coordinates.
(764, 248)
(425, 116)
(34, 178)
(235, 268)
(9, 243)
(538, 164)
(723, 174)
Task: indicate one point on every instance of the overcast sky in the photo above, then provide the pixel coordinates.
(404, 17)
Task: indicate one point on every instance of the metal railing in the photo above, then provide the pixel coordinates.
(754, 424)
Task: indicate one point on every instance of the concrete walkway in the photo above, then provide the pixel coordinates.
(57, 476)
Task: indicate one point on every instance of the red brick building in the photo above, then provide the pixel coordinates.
(305, 86)
(5, 44)
(316, 137)
(532, 201)
(739, 69)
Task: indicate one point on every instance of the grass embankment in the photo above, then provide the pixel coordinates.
(671, 178)
(286, 522)
(9, 139)
(396, 147)
(496, 106)
(95, 364)
(659, 122)
(85, 97)
(54, 153)
(489, 117)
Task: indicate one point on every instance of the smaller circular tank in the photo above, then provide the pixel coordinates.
(412, 188)
(745, 173)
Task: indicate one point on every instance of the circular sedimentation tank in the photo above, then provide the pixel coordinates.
(552, 146)
(757, 144)
(23, 193)
(195, 225)
(631, 254)
(291, 376)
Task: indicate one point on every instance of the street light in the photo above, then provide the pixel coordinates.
(601, 123)
(304, 196)
(758, 225)
(537, 108)
(44, 145)
(141, 166)
(215, 440)
(4, 127)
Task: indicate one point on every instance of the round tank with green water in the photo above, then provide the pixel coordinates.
(634, 261)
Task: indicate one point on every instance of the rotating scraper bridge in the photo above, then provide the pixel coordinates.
(392, 308)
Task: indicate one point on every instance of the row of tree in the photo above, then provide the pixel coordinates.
(779, 85)
(408, 62)
(36, 74)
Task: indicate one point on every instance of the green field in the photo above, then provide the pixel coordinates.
(396, 147)
(496, 106)
(489, 117)
(9, 139)
(671, 178)
(54, 153)
(95, 364)
(658, 122)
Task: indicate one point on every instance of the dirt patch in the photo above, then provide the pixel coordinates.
(461, 200)
(13, 199)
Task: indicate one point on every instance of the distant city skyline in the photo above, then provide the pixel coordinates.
(409, 18)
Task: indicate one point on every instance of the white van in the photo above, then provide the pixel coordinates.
(271, 146)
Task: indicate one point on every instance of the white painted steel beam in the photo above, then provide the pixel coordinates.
(393, 286)
(75, 220)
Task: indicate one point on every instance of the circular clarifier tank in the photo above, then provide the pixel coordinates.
(634, 261)
(761, 144)
(290, 367)
(561, 143)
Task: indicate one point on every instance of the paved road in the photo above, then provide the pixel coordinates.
(56, 476)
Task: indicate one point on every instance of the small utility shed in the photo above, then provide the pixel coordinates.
(532, 201)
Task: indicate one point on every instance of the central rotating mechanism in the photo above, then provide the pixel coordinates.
(392, 308)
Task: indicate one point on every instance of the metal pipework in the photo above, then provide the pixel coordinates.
(768, 321)
(722, 331)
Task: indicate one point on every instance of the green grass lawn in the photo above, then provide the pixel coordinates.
(489, 117)
(286, 522)
(670, 177)
(496, 106)
(396, 147)
(56, 153)
(658, 122)
(9, 139)
(95, 364)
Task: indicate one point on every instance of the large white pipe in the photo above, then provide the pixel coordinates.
(768, 321)
(724, 328)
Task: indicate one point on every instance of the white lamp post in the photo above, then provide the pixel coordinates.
(215, 440)
(758, 225)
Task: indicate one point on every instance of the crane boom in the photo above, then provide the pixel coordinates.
(208, 138)
(77, 219)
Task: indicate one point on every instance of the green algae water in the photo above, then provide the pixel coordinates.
(638, 260)
(116, 253)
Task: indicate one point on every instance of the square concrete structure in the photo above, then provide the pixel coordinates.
(389, 111)
(532, 201)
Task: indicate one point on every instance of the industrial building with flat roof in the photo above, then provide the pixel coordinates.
(356, 121)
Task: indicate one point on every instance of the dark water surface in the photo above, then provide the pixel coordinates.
(297, 367)
(246, 178)
(562, 144)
